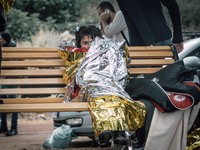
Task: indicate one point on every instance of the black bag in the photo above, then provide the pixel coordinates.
(169, 89)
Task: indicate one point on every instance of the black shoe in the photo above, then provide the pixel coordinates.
(11, 132)
(3, 130)
(120, 138)
(105, 138)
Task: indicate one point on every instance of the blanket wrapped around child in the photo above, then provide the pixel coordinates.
(103, 76)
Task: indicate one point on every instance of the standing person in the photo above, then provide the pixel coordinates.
(112, 23)
(5, 6)
(5, 41)
(147, 24)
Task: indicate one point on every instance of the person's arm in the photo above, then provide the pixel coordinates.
(103, 21)
(116, 26)
(174, 12)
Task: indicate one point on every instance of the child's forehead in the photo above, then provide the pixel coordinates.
(85, 37)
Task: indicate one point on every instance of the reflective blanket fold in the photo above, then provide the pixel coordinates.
(103, 74)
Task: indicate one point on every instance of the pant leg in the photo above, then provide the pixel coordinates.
(14, 120)
(168, 131)
(142, 133)
(3, 116)
(4, 121)
(14, 117)
(194, 113)
(179, 140)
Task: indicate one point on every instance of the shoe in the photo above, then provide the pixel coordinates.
(11, 132)
(120, 138)
(2, 130)
(105, 138)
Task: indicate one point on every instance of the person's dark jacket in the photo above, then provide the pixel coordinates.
(146, 21)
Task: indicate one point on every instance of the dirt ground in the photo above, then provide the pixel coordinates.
(34, 129)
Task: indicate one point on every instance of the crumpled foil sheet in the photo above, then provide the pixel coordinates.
(104, 74)
(7, 4)
(104, 69)
(193, 140)
(72, 57)
(116, 113)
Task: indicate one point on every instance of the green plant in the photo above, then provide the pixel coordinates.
(59, 10)
(21, 26)
(190, 15)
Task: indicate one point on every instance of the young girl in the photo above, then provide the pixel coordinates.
(85, 35)
(73, 56)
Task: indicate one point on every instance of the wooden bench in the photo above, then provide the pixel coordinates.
(38, 73)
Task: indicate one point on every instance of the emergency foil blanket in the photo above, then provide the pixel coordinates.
(116, 113)
(72, 57)
(103, 75)
(193, 140)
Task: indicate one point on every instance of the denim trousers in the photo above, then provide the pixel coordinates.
(14, 117)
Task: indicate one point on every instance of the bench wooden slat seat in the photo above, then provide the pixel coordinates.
(36, 74)
(45, 107)
(137, 71)
(41, 72)
(32, 100)
(39, 55)
(152, 54)
(28, 91)
(29, 49)
(150, 48)
(152, 62)
(34, 81)
(38, 63)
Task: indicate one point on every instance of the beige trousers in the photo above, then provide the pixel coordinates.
(168, 131)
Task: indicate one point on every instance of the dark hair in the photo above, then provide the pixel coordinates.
(106, 5)
(6, 36)
(82, 31)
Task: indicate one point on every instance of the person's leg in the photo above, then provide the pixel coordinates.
(3, 122)
(14, 120)
(168, 131)
(142, 133)
(13, 129)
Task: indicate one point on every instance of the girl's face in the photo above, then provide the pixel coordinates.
(85, 41)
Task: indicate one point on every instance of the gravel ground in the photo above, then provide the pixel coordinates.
(34, 129)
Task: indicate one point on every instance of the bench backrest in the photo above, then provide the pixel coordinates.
(149, 59)
(34, 74)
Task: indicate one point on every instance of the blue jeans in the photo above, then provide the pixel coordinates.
(164, 43)
(14, 118)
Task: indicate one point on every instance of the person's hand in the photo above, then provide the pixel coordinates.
(179, 47)
(104, 17)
